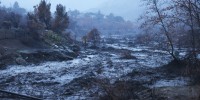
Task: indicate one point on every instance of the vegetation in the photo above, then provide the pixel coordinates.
(51, 37)
(108, 24)
(61, 20)
(34, 24)
(93, 37)
(126, 54)
(177, 22)
(43, 13)
(103, 73)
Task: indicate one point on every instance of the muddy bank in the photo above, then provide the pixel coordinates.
(35, 56)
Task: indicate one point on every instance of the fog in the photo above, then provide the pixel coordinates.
(129, 9)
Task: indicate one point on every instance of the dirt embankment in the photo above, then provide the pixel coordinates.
(16, 52)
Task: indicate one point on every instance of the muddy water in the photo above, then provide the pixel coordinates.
(61, 80)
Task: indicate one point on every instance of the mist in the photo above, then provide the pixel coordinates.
(117, 7)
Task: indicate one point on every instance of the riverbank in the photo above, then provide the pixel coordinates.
(14, 52)
(102, 73)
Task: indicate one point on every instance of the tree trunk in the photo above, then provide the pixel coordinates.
(171, 52)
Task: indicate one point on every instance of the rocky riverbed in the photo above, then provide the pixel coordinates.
(95, 74)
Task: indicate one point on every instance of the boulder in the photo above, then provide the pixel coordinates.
(20, 61)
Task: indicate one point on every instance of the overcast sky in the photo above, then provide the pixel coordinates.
(128, 9)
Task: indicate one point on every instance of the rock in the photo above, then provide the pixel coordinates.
(20, 61)
(75, 48)
(104, 48)
(94, 47)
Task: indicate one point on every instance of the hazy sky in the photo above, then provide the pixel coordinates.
(129, 9)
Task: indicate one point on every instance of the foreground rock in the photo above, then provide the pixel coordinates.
(20, 61)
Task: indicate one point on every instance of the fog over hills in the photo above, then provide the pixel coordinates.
(129, 9)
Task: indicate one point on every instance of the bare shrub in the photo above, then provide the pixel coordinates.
(126, 54)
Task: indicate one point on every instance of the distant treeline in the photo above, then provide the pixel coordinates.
(107, 24)
(41, 19)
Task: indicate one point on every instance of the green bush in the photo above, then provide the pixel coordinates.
(52, 38)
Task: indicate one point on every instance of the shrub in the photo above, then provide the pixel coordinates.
(51, 38)
(126, 54)
(94, 37)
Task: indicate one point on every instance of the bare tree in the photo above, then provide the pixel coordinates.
(187, 12)
(158, 16)
(94, 36)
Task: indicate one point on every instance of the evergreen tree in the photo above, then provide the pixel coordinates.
(43, 13)
(16, 5)
(61, 20)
